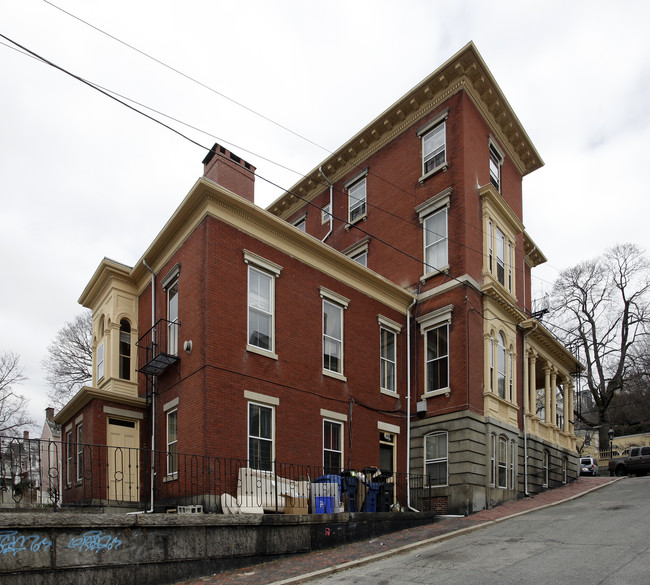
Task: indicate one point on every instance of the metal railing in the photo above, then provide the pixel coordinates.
(71, 475)
(158, 347)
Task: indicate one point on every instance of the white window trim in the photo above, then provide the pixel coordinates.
(326, 213)
(100, 371)
(171, 474)
(501, 441)
(388, 428)
(421, 132)
(341, 428)
(337, 416)
(492, 143)
(350, 185)
(430, 321)
(261, 398)
(301, 220)
(254, 348)
(338, 375)
(263, 263)
(426, 209)
(248, 429)
(395, 332)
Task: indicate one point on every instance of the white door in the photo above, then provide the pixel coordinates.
(123, 460)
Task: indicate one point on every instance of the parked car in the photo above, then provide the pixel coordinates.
(588, 466)
(637, 463)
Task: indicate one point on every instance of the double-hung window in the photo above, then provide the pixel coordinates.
(261, 304)
(501, 257)
(68, 457)
(260, 309)
(435, 328)
(332, 447)
(357, 200)
(260, 436)
(388, 364)
(435, 459)
(501, 366)
(80, 452)
(435, 241)
(496, 159)
(434, 144)
(172, 443)
(172, 319)
(333, 305)
(503, 462)
(125, 350)
(100, 361)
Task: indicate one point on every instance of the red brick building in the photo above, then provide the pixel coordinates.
(377, 314)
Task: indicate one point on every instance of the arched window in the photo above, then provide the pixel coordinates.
(503, 462)
(125, 350)
(99, 362)
(501, 366)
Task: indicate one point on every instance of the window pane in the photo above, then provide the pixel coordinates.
(332, 336)
(357, 196)
(437, 359)
(260, 309)
(387, 361)
(433, 148)
(435, 240)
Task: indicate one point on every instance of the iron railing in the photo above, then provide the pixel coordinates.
(71, 475)
(158, 347)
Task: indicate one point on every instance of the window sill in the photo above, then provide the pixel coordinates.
(443, 270)
(391, 393)
(439, 392)
(172, 477)
(262, 352)
(432, 172)
(334, 375)
(357, 220)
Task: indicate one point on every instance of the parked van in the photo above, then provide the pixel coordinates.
(588, 466)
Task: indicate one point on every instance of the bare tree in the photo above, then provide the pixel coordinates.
(68, 365)
(602, 308)
(13, 406)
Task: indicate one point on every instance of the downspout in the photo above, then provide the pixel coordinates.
(526, 400)
(320, 170)
(153, 393)
(408, 406)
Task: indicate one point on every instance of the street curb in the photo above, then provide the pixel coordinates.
(422, 543)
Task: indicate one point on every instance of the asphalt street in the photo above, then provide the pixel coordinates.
(601, 538)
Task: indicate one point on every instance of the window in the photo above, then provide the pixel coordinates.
(68, 457)
(332, 447)
(435, 458)
(503, 462)
(100, 361)
(501, 366)
(434, 149)
(125, 350)
(490, 247)
(513, 465)
(509, 261)
(361, 258)
(357, 200)
(387, 443)
(545, 469)
(564, 469)
(388, 362)
(501, 257)
(493, 462)
(172, 319)
(496, 159)
(260, 309)
(301, 223)
(80, 452)
(511, 378)
(172, 443)
(435, 241)
(491, 363)
(332, 337)
(437, 360)
(260, 436)
(326, 213)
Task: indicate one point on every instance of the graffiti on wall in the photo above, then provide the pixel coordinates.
(11, 542)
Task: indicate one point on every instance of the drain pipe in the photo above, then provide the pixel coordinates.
(320, 170)
(408, 407)
(526, 401)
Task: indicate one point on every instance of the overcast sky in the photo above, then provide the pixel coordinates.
(83, 177)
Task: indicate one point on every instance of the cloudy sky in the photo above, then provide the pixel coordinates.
(282, 83)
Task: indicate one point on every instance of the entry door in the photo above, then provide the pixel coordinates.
(123, 460)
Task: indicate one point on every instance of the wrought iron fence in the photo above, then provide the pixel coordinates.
(51, 473)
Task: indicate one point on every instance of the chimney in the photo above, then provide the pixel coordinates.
(26, 435)
(49, 413)
(228, 170)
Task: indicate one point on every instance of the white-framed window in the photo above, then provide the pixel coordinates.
(511, 383)
(332, 447)
(387, 451)
(301, 223)
(260, 309)
(434, 149)
(388, 359)
(493, 460)
(513, 465)
(434, 327)
(332, 337)
(501, 256)
(100, 361)
(545, 468)
(361, 258)
(80, 452)
(172, 443)
(260, 436)
(125, 350)
(496, 160)
(437, 358)
(436, 256)
(565, 464)
(326, 213)
(172, 318)
(491, 363)
(357, 200)
(68, 457)
(436, 458)
(509, 260)
(503, 463)
(501, 365)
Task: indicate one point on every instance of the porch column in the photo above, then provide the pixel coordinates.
(553, 417)
(547, 392)
(571, 426)
(566, 398)
(532, 390)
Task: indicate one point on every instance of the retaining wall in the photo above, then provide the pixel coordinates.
(153, 549)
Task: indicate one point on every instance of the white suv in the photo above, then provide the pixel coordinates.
(588, 466)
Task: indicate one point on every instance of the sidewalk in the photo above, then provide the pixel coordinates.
(301, 568)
